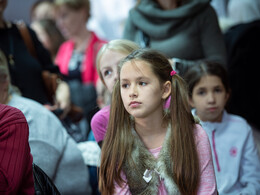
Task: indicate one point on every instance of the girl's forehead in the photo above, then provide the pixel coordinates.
(137, 66)
(110, 58)
(209, 80)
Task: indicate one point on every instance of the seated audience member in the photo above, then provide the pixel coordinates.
(148, 149)
(76, 57)
(27, 61)
(16, 175)
(107, 66)
(26, 69)
(107, 61)
(52, 148)
(235, 155)
(185, 31)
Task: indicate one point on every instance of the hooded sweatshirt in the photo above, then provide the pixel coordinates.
(189, 32)
(235, 156)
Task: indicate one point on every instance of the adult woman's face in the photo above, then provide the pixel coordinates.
(70, 21)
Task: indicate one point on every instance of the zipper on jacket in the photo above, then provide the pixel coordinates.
(214, 150)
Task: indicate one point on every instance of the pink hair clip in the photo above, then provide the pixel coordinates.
(173, 72)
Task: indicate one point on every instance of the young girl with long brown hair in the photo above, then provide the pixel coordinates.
(149, 149)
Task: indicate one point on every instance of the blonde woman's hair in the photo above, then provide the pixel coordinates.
(117, 146)
(122, 46)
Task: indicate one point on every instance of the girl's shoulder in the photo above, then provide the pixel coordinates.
(199, 132)
(102, 113)
(201, 137)
(235, 122)
(101, 118)
(232, 118)
(99, 123)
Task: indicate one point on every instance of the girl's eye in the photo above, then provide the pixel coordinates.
(142, 83)
(201, 92)
(107, 72)
(125, 85)
(218, 90)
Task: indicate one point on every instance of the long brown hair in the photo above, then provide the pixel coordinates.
(118, 142)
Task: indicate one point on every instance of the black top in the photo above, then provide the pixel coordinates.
(26, 70)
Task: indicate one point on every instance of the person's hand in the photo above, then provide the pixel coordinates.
(63, 98)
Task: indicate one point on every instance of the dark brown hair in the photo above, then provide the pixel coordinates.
(196, 72)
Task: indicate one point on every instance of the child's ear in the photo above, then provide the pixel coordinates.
(167, 87)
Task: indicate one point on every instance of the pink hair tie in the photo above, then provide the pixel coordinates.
(173, 72)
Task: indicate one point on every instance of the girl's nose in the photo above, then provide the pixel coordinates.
(211, 98)
(133, 91)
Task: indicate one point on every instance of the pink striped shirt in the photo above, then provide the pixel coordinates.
(207, 184)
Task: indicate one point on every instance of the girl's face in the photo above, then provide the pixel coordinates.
(209, 97)
(141, 91)
(109, 68)
(71, 22)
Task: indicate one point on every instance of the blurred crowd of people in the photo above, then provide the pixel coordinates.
(83, 43)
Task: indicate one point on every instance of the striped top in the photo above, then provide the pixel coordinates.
(16, 176)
